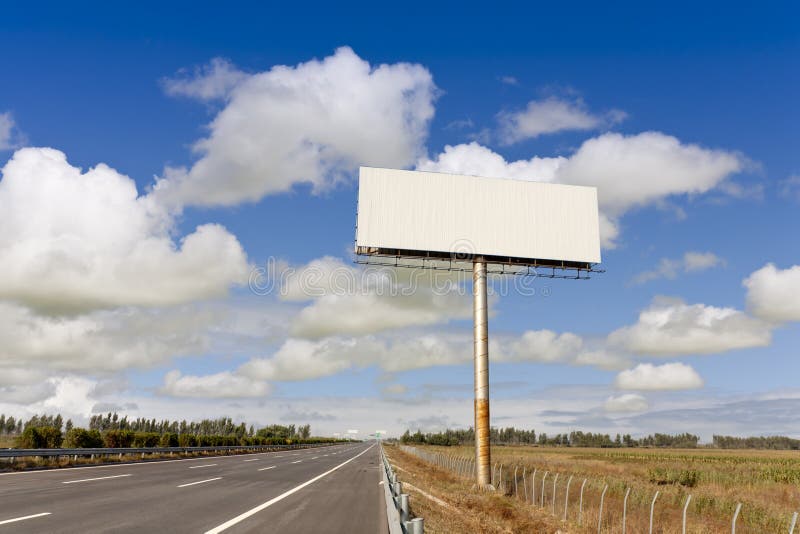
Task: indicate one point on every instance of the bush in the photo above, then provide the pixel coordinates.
(168, 440)
(118, 438)
(186, 440)
(80, 438)
(40, 437)
(146, 439)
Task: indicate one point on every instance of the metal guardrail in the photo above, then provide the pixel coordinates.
(107, 451)
(397, 509)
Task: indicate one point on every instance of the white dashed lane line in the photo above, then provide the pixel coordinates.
(199, 482)
(23, 518)
(265, 468)
(199, 466)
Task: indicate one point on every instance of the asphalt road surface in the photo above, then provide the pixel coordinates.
(327, 489)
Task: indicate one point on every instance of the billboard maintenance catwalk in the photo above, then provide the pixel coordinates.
(486, 225)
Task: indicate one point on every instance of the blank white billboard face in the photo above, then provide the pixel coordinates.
(446, 213)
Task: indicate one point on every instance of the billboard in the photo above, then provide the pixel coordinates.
(438, 215)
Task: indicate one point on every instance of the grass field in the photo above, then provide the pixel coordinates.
(767, 483)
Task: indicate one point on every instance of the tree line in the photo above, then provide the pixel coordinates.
(111, 430)
(515, 436)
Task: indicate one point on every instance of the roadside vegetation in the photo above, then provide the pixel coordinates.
(112, 431)
(766, 482)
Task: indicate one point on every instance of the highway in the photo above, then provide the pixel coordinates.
(328, 489)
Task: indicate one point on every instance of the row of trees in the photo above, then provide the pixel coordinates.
(762, 442)
(514, 436)
(111, 430)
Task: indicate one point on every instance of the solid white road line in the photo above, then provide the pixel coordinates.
(199, 482)
(98, 478)
(239, 518)
(297, 462)
(23, 518)
(265, 468)
(206, 465)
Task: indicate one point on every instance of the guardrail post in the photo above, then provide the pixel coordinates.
(404, 507)
(417, 526)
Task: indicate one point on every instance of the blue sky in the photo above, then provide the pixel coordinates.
(684, 116)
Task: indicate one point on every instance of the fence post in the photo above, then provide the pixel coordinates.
(735, 517)
(500, 480)
(524, 483)
(533, 486)
(566, 497)
(555, 480)
(625, 510)
(794, 521)
(580, 506)
(600, 514)
(543, 479)
(685, 508)
(652, 507)
(516, 491)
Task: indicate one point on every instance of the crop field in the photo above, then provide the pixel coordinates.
(766, 483)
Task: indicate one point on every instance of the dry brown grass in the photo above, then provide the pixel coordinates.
(466, 510)
(766, 482)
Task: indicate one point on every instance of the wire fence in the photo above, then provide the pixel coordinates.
(604, 505)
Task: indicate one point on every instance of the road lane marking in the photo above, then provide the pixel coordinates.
(239, 518)
(252, 460)
(265, 468)
(199, 466)
(199, 482)
(297, 462)
(23, 518)
(315, 457)
(98, 478)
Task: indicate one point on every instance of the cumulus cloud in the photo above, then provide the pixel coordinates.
(209, 82)
(549, 116)
(670, 268)
(628, 171)
(224, 385)
(73, 241)
(669, 376)
(670, 326)
(312, 123)
(628, 402)
(773, 294)
(7, 130)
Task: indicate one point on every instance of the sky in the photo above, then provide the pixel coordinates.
(178, 199)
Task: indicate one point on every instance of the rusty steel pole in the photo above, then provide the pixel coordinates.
(481, 354)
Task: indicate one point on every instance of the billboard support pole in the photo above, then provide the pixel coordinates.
(481, 355)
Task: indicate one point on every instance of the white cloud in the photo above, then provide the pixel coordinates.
(670, 268)
(549, 116)
(71, 242)
(628, 402)
(670, 326)
(6, 131)
(224, 385)
(355, 301)
(209, 82)
(669, 376)
(313, 123)
(509, 80)
(774, 294)
(629, 171)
